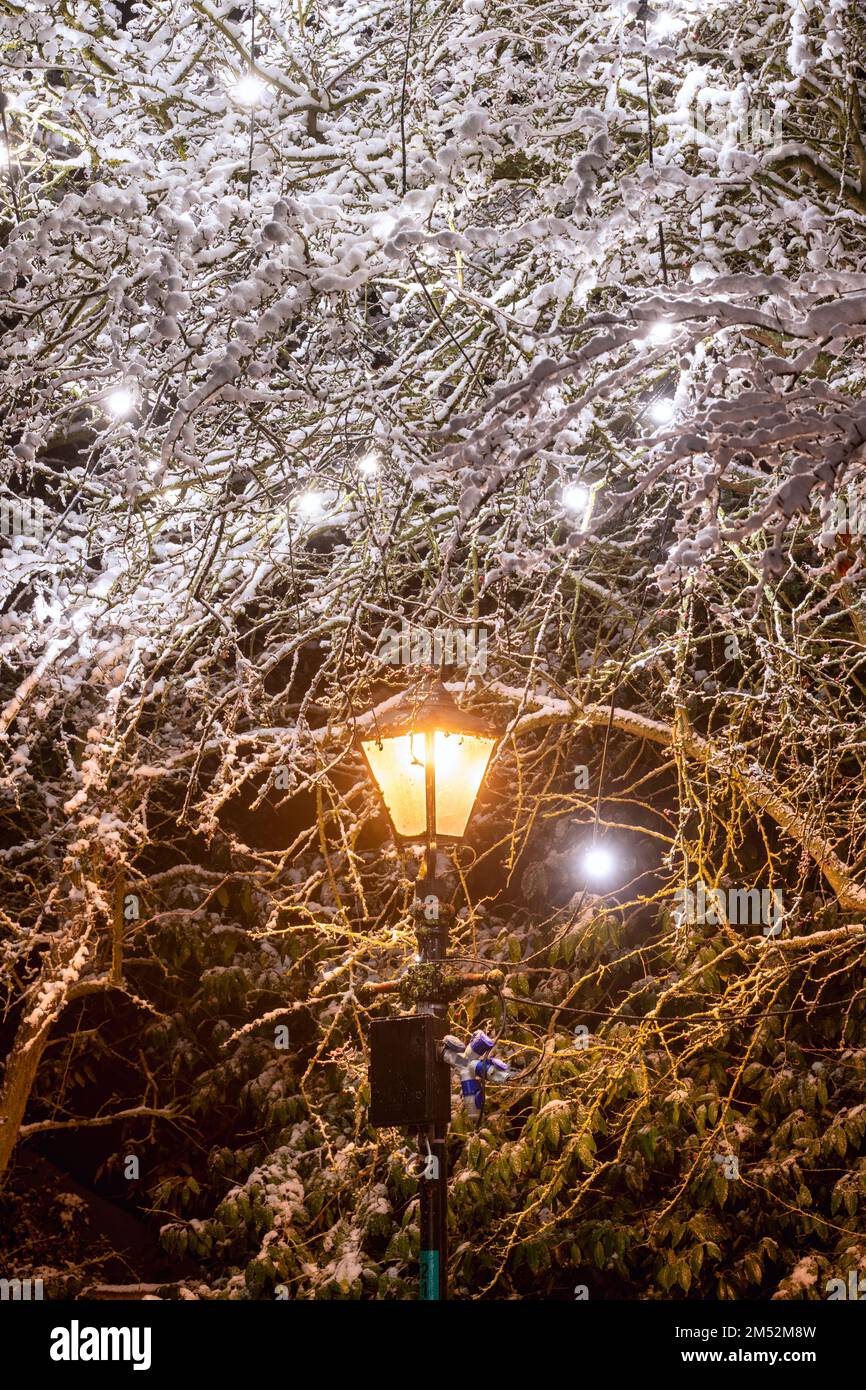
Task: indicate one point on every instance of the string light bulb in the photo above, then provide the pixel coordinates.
(598, 863)
(660, 332)
(666, 25)
(575, 497)
(369, 464)
(120, 402)
(663, 411)
(310, 504)
(248, 90)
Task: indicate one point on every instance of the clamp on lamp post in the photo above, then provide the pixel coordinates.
(474, 1066)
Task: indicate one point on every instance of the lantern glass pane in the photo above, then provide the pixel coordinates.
(461, 762)
(399, 764)
(398, 767)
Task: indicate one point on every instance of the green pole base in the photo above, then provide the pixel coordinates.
(429, 1275)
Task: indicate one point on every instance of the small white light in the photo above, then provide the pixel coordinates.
(663, 411)
(598, 863)
(660, 332)
(666, 25)
(248, 91)
(120, 403)
(369, 464)
(575, 497)
(310, 503)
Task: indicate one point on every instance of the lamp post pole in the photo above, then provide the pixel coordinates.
(410, 1067)
(432, 948)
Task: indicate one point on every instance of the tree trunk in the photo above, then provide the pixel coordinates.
(59, 983)
(21, 1069)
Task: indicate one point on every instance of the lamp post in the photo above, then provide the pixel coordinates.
(427, 759)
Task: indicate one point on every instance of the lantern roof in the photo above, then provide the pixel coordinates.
(426, 706)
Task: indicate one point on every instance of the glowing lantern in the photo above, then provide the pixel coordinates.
(428, 759)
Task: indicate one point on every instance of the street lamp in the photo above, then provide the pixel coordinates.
(427, 759)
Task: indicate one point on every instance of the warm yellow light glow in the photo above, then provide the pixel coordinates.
(399, 767)
(399, 776)
(461, 762)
